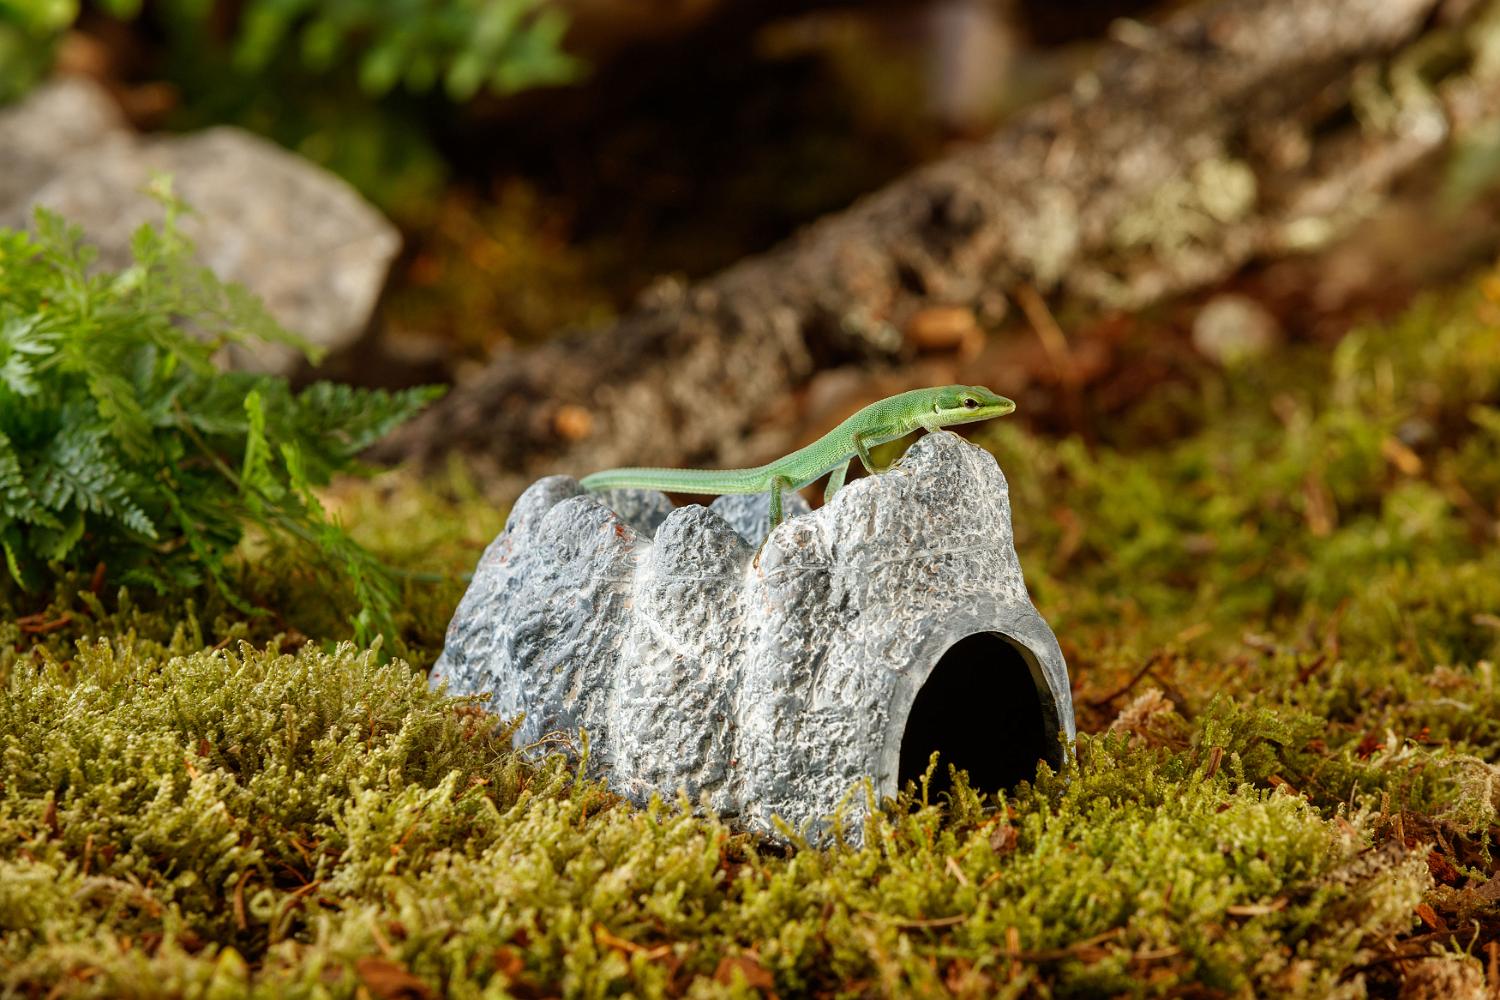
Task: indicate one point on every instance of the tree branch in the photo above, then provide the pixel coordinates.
(1236, 129)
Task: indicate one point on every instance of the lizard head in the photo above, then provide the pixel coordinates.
(967, 404)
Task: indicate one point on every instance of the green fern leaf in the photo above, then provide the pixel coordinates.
(14, 546)
(353, 419)
(258, 481)
(122, 443)
(23, 339)
(17, 503)
(53, 544)
(77, 469)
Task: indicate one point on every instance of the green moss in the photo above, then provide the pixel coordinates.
(308, 811)
(1282, 627)
(1309, 479)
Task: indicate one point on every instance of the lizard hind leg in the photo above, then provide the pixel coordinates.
(835, 481)
(778, 483)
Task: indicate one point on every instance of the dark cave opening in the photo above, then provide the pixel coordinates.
(980, 710)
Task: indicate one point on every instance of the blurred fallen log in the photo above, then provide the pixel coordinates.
(1235, 131)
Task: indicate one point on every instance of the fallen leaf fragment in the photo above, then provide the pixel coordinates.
(754, 974)
(389, 980)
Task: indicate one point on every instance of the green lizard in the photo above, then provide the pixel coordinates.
(886, 420)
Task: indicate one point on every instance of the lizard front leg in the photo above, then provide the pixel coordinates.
(835, 481)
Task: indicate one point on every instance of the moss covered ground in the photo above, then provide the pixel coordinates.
(1283, 624)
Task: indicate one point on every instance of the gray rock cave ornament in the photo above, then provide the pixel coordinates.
(889, 623)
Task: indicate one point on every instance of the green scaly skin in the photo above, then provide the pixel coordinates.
(887, 420)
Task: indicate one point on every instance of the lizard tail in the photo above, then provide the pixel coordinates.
(709, 481)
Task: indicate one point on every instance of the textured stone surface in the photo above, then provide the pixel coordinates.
(60, 119)
(764, 684)
(291, 232)
(750, 516)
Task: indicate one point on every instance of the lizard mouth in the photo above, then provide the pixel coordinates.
(1001, 406)
(986, 411)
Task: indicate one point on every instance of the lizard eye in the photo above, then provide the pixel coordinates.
(970, 404)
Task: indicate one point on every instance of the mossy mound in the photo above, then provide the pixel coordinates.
(316, 821)
(1283, 627)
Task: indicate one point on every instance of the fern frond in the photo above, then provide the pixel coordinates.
(60, 247)
(355, 418)
(79, 470)
(122, 443)
(17, 502)
(258, 481)
(117, 401)
(14, 546)
(23, 340)
(53, 544)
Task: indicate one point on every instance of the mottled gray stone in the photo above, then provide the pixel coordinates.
(763, 683)
(59, 119)
(294, 234)
(643, 510)
(750, 516)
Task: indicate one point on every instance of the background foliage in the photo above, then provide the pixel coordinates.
(125, 451)
(461, 46)
(360, 86)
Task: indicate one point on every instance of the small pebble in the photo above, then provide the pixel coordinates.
(1231, 329)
